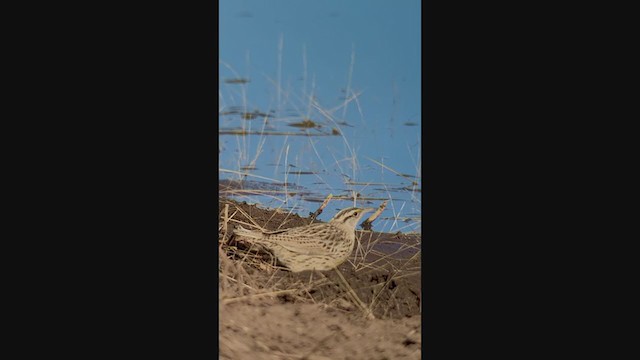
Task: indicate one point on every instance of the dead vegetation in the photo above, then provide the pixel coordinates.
(381, 279)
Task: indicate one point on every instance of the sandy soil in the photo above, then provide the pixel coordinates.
(270, 313)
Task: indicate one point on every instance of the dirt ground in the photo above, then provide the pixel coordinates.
(271, 313)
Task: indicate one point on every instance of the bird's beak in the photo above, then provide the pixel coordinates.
(369, 209)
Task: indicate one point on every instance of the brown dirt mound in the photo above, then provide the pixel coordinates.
(273, 313)
(313, 332)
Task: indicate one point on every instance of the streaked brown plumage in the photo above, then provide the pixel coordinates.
(320, 246)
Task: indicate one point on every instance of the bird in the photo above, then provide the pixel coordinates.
(320, 246)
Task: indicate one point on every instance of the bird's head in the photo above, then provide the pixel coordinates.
(349, 217)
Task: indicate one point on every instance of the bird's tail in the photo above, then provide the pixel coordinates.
(249, 235)
(254, 240)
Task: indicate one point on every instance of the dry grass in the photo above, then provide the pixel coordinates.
(250, 274)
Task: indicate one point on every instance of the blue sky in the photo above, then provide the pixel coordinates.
(382, 36)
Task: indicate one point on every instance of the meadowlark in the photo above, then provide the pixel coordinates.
(321, 246)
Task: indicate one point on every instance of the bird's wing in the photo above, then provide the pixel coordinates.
(311, 241)
(272, 232)
(306, 250)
